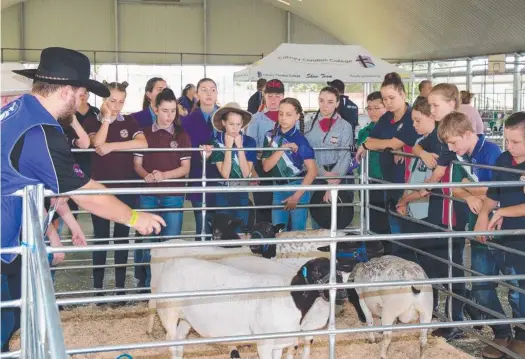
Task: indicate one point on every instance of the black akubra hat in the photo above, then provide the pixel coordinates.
(64, 66)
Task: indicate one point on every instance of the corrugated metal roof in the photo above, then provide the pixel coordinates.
(420, 29)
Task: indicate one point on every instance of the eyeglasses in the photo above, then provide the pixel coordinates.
(374, 108)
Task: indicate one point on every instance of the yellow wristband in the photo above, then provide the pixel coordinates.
(134, 218)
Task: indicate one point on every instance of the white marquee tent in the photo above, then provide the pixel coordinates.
(13, 85)
(320, 63)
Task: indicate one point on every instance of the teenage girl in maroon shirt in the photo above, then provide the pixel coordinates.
(109, 133)
(157, 167)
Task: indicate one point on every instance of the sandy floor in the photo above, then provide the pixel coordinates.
(91, 326)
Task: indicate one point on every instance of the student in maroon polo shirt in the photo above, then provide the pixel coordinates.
(157, 167)
(109, 133)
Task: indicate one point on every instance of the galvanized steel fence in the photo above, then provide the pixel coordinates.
(41, 333)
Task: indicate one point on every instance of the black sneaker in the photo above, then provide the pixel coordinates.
(119, 303)
(100, 294)
(449, 333)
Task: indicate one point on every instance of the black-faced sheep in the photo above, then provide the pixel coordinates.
(238, 314)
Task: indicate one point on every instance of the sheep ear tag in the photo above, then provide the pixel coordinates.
(304, 272)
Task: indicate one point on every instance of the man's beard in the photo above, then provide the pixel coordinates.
(65, 121)
(66, 117)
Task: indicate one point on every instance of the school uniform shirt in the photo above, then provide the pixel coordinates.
(201, 132)
(217, 156)
(165, 161)
(260, 125)
(290, 164)
(404, 131)
(334, 133)
(349, 111)
(436, 211)
(33, 151)
(419, 173)
(82, 158)
(485, 153)
(509, 196)
(115, 165)
(255, 102)
(374, 168)
(186, 103)
(145, 118)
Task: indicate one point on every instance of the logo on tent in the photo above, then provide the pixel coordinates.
(365, 61)
(259, 74)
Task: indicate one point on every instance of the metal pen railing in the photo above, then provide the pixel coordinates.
(38, 298)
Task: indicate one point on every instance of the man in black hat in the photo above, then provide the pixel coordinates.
(34, 150)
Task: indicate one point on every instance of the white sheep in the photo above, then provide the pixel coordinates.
(160, 257)
(237, 314)
(315, 319)
(407, 303)
(302, 252)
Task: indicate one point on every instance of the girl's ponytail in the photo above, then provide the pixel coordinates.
(301, 122)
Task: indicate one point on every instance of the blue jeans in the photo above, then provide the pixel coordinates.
(298, 216)
(489, 261)
(173, 228)
(173, 219)
(231, 199)
(513, 296)
(516, 262)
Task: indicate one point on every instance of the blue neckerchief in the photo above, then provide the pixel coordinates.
(152, 113)
(207, 118)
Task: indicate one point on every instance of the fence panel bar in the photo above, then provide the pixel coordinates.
(25, 292)
(333, 260)
(450, 210)
(203, 205)
(50, 328)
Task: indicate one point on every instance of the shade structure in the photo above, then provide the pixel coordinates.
(298, 63)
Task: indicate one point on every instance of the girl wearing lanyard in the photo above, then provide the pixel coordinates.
(262, 122)
(156, 167)
(147, 116)
(328, 129)
(109, 133)
(297, 161)
(229, 121)
(199, 128)
(393, 131)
